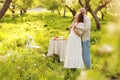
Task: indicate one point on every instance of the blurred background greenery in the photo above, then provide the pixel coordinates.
(43, 20)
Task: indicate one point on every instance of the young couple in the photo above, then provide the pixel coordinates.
(78, 46)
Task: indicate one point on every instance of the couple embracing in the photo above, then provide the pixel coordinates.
(78, 46)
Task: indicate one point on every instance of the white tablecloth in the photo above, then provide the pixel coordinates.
(57, 47)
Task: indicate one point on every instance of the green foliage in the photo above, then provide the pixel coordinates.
(24, 4)
(73, 4)
(21, 63)
(51, 4)
(96, 3)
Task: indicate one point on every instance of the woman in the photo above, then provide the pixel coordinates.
(73, 55)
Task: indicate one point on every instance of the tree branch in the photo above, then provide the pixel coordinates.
(81, 3)
(87, 3)
(68, 8)
(102, 6)
(71, 10)
(10, 9)
(87, 6)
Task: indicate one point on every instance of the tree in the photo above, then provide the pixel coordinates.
(51, 5)
(23, 5)
(73, 11)
(12, 8)
(4, 8)
(93, 12)
(72, 6)
(64, 7)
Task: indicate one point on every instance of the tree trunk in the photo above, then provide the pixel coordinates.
(102, 17)
(24, 10)
(58, 11)
(97, 22)
(95, 17)
(4, 8)
(73, 13)
(64, 14)
(21, 12)
(12, 10)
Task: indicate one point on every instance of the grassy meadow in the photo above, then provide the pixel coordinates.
(20, 63)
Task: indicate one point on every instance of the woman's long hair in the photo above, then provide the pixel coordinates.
(80, 17)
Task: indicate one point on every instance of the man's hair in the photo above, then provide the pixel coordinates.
(82, 10)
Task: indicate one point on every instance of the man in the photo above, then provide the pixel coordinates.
(85, 38)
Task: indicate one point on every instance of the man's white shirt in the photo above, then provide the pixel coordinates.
(86, 28)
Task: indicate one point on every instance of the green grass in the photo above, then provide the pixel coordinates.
(30, 64)
(41, 26)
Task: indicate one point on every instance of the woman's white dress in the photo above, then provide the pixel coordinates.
(73, 54)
